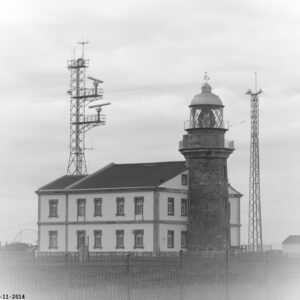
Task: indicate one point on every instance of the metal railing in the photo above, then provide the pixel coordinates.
(89, 92)
(206, 275)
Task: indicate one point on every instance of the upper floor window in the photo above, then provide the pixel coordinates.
(53, 208)
(170, 240)
(97, 207)
(225, 203)
(80, 207)
(97, 238)
(53, 239)
(119, 239)
(80, 238)
(183, 239)
(120, 206)
(138, 238)
(224, 172)
(184, 207)
(170, 206)
(184, 179)
(138, 205)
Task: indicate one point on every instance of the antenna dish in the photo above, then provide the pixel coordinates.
(99, 105)
(95, 79)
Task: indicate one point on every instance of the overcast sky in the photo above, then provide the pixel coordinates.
(152, 56)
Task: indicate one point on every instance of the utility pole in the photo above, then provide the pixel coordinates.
(255, 242)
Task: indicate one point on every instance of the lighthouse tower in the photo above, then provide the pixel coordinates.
(206, 154)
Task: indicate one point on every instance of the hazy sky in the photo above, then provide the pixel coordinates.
(152, 56)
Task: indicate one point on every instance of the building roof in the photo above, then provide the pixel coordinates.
(131, 175)
(206, 97)
(292, 239)
(123, 176)
(61, 182)
(120, 176)
(233, 191)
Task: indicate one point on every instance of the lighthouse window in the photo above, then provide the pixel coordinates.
(184, 179)
(170, 206)
(224, 172)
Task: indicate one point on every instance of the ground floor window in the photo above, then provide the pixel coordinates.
(170, 238)
(80, 238)
(138, 238)
(183, 239)
(53, 240)
(119, 239)
(97, 238)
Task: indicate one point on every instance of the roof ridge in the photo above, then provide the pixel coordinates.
(156, 162)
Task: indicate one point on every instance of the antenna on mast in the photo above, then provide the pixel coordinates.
(81, 122)
(255, 242)
(206, 78)
(82, 43)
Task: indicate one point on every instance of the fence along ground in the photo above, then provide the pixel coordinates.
(189, 276)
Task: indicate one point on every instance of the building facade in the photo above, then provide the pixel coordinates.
(122, 207)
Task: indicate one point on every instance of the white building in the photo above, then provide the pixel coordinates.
(291, 245)
(122, 207)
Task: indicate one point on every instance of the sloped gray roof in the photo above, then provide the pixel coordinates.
(292, 239)
(123, 176)
(61, 182)
(131, 175)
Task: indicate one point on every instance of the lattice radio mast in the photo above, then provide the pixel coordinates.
(80, 122)
(255, 242)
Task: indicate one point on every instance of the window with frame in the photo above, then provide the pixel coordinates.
(138, 238)
(97, 207)
(97, 238)
(53, 208)
(138, 205)
(227, 235)
(81, 207)
(184, 179)
(53, 240)
(183, 239)
(225, 203)
(224, 172)
(170, 206)
(119, 239)
(183, 207)
(120, 206)
(80, 238)
(170, 239)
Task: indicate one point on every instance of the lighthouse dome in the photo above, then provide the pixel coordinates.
(206, 97)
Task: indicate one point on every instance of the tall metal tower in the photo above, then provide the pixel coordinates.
(80, 122)
(255, 242)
